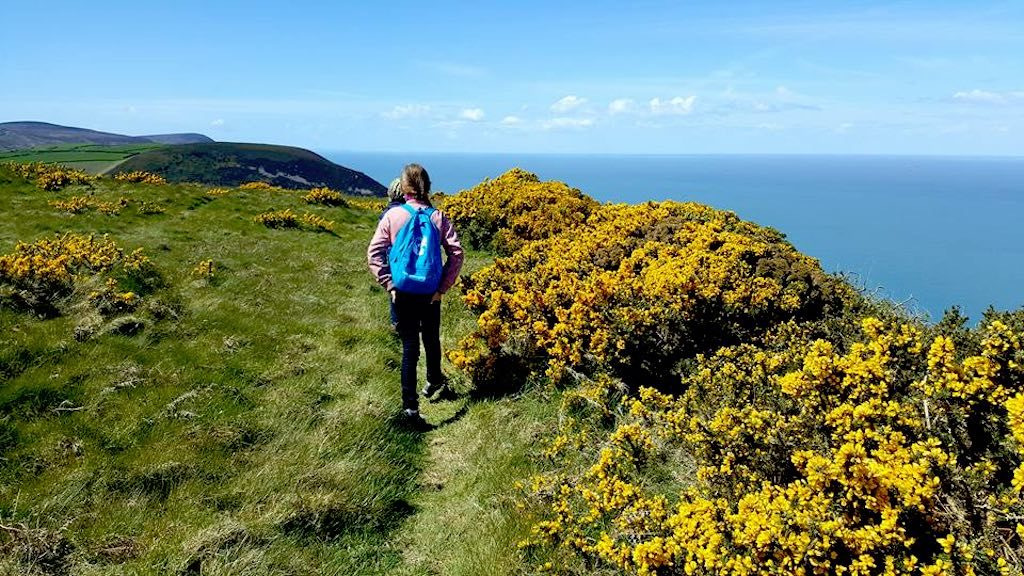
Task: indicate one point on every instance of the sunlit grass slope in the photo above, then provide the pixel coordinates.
(240, 416)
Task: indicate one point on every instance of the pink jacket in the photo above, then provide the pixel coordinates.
(387, 231)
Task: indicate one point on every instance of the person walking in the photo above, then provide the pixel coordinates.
(418, 313)
(395, 198)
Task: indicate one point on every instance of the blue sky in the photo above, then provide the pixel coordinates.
(647, 76)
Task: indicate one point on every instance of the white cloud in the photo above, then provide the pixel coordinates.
(620, 106)
(407, 111)
(677, 106)
(985, 97)
(217, 122)
(564, 122)
(567, 104)
(511, 121)
(472, 114)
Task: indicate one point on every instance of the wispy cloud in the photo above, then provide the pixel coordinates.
(455, 69)
(217, 123)
(563, 122)
(407, 111)
(511, 121)
(472, 114)
(677, 106)
(568, 104)
(977, 96)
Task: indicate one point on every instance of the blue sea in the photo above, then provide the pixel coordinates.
(928, 232)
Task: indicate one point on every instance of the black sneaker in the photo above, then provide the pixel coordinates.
(433, 388)
(413, 420)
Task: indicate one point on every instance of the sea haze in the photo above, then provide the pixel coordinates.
(932, 232)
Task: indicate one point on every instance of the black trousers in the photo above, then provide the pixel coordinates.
(418, 317)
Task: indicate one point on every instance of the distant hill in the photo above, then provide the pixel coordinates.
(231, 164)
(23, 135)
(185, 138)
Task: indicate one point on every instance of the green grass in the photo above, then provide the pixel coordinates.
(92, 158)
(250, 427)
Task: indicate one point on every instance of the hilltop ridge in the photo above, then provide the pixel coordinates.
(30, 134)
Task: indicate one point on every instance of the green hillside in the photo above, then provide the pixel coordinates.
(91, 158)
(236, 415)
(232, 164)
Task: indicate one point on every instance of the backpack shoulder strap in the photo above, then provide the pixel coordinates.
(409, 209)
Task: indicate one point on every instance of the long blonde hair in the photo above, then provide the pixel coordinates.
(395, 191)
(416, 183)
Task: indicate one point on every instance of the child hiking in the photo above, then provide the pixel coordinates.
(405, 258)
(395, 198)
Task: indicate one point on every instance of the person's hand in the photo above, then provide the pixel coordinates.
(392, 292)
(436, 297)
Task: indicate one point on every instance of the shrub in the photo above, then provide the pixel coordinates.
(371, 204)
(324, 196)
(279, 219)
(636, 290)
(140, 177)
(79, 204)
(514, 208)
(38, 275)
(258, 185)
(73, 205)
(317, 223)
(49, 177)
(899, 454)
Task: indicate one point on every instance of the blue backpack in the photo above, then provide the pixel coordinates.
(415, 257)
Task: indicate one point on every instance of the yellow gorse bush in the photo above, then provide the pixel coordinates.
(324, 196)
(140, 177)
(804, 460)
(36, 275)
(288, 219)
(258, 185)
(515, 208)
(372, 204)
(636, 288)
(278, 219)
(79, 204)
(50, 177)
(73, 205)
(317, 223)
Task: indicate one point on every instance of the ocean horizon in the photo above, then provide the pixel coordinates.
(928, 232)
